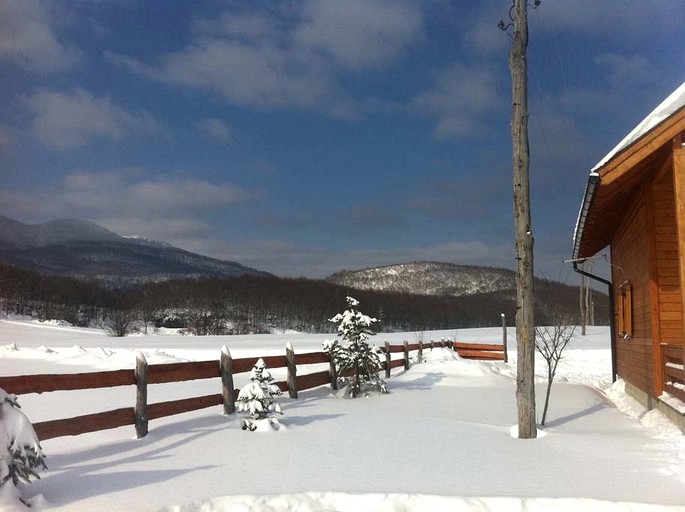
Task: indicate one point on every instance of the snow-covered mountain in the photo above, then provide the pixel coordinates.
(428, 278)
(18, 235)
(82, 249)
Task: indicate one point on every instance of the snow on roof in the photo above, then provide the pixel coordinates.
(668, 107)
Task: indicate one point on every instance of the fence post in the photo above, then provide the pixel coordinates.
(406, 355)
(432, 344)
(420, 351)
(141, 395)
(387, 359)
(292, 370)
(504, 337)
(333, 372)
(225, 364)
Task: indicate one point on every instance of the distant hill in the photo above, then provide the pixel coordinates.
(82, 249)
(428, 278)
(481, 287)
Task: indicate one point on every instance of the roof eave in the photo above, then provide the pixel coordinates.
(593, 181)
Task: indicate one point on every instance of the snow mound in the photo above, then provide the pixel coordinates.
(346, 502)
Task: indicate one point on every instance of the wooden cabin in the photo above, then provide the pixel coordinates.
(634, 203)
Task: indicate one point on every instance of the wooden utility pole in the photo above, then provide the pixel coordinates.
(525, 324)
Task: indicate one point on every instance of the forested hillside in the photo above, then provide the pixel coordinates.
(253, 304)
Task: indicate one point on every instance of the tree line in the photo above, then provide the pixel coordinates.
(255, 304)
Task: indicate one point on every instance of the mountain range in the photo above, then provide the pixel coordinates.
(455, 295)
(85, 250)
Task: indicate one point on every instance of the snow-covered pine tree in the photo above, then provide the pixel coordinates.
(20, 451)
(257, 399)
(354, 354)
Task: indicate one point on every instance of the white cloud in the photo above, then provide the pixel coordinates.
(248, 25)
(262, 75)
(72, 119)
(215, 128)
(458, 98)
(288, 259)
(621, 70)
(130, 201)
(29, 39)
(359, 34)
(593, 17)
(484, 37)
(179, 232)
(276, 59)
(163, 197)
(6, 138)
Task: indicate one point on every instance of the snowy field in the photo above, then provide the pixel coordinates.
(441, 440)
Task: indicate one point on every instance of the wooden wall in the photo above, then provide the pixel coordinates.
(630, 255)
(669, 307)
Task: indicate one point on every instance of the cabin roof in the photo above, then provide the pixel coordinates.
(615, 180)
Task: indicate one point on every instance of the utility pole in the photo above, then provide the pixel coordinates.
(525, 323)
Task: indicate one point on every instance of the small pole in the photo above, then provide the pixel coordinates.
(332, 372)
(387, 359)
(420, 351)
(225, 364)
(292, 370)
(504, 337)
(406, 355)
(432, 344)
(141, 396)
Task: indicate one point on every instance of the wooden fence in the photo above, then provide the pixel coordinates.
(224, 369)
(673, 363)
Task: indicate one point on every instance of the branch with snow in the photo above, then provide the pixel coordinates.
(20, 451)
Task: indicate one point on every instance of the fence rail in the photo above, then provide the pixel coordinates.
(224, 369)
(673, 363)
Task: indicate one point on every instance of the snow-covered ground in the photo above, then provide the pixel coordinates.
(441, 440)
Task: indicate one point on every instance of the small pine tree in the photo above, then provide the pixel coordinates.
(257, 398)
(20, 451)
(354, 354)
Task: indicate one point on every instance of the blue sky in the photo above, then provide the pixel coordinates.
(306, 137)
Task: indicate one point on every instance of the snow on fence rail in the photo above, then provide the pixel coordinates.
(673, 365)
(224, 369)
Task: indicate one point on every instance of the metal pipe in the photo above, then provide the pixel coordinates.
(612, 321)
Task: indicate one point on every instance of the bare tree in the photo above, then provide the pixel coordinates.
(148, 307)
(550, 342)
(119, 322)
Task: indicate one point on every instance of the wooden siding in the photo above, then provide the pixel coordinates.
(678, 170)
(669, 307)
(630, 254)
